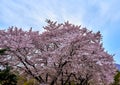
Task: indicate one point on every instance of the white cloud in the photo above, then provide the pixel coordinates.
(24, 14)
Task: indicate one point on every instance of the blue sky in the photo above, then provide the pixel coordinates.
(96, 15)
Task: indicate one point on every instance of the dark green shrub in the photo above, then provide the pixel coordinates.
(117, 79)
(6, 77)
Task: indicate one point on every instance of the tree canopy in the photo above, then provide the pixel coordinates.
(62, 54)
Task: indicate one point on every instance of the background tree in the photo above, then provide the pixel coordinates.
(117, 78)
(63, 53)
(6, 76)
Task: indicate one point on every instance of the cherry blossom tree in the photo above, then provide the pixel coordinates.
(62, 54)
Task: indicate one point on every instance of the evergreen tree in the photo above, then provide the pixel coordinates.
(117, 79)
(6, 77)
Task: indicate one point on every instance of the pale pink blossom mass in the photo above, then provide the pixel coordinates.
(62, 53)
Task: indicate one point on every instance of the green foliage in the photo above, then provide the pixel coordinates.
(6, 77)
(30, 82)
(21, 80)
(117, 79)
(25, 80)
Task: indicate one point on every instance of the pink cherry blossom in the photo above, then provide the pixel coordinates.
(61, 54)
